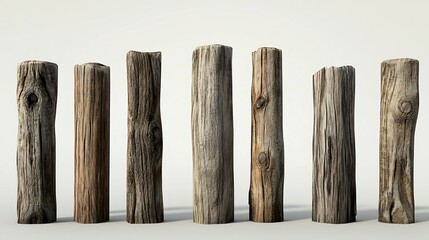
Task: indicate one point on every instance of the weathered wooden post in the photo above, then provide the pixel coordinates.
(399, 109)
(334, 184)
(36, 97)
(92, 117)
(212, 135)
(267, 165)
(144, 161)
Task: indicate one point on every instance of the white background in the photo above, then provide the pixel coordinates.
(312, 35)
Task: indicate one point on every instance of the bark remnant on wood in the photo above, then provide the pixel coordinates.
(92, 132)
(334, 183)
(37, 102)
(212, 135)
(144, 162)
(398, 118)
(267, 160)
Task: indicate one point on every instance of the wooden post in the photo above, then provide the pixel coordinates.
(334, 184)
(144, 162)
(212, 135)
(92, 116)
(36, 97)
(267, 165)
(399, 109)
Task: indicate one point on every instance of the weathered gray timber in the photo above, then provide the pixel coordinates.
(212, 135)
(36, 97)
(399, 109)
(334, 184)
(92, 120)
(267, 165)
(144, 161)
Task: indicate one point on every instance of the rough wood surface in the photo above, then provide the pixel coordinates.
(36, 96)
(92, 117)
(399, 109)
(334, 184)
(267, 165)
(144, 162)
(212, 135)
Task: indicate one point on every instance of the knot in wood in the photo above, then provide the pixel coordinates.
(263, 160)
(406, 107)
(155, 131)
(261, 102)
(31, 100)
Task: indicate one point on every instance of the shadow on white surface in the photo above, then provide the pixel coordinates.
(291, 213)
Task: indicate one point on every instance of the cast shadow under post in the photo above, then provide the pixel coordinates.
(118, 216)
(291, 213)
(241, 214)
(421, 214)
(64, 219)
(174, 214)
(367, 215)
(171, 214)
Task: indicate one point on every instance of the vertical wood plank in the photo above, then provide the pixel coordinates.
(398, 117)
(212, 135)
(144, 174)
(267, 165)
(37, 102)
(92, 122)
(334, 183)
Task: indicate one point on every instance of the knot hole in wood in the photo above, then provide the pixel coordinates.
(31, 100)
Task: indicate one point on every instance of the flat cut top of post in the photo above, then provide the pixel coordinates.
(397, 60)
(38, 62)
(93, 65)
(336, 68)
(132, 52)
(331, 70)
(213, 46)
(267, 49)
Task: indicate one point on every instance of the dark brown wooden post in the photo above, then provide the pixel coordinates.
(144, 164)
(267, 165)
(334, 184)
(36, 96)
(212, 135)
(92, 117)
(399, 109)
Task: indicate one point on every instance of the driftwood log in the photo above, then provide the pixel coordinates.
(267, 165)
(92, 119)
(334, 184)
(144, 157)
(399, 109)
(212, 135)
(37, 102)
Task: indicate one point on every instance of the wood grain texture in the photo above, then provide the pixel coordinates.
(212, 135)
(144, 164)
(334, 177)
(92, 120)
(267, 165)
(399, 109)
(36, 97)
